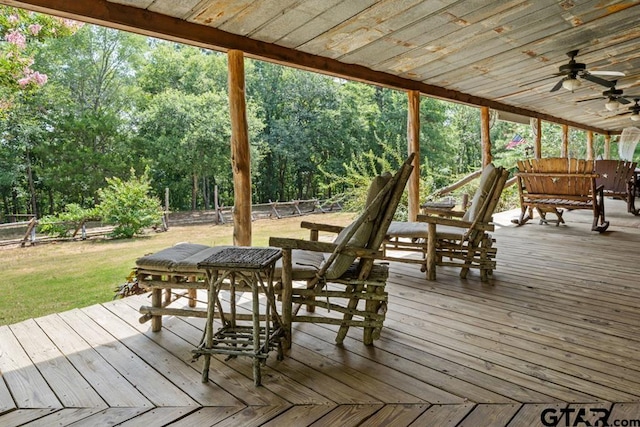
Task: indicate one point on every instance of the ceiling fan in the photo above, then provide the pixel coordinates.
(573, 70)
(613, 96)
(634, 111)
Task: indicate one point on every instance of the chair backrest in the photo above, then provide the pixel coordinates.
(557, 176)
(487, 179)
(614, 175)
(360, 236)
(485, 199)
(370, 227)
(487, 196)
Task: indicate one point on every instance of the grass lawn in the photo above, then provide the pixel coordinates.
(54, 277)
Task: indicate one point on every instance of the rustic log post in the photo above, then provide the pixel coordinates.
(413, 138)
(240, 153)
(536, 124)
(589, 145)
(564, 150)
(486, 137)
(607, 147)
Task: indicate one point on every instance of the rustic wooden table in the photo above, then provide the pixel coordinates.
(250, 268)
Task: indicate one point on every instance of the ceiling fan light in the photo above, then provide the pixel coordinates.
(612, 105)
(635, 117)
(571, 84)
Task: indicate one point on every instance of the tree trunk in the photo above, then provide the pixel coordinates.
(206, 193)
(32, 187)
(194, 192)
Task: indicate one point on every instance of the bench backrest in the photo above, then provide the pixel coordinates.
(614, 175)
(557, 176)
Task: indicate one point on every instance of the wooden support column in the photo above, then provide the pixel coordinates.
(564, 150)
(536, 124)
(413, 139)
(589, 145)
(486, 137)
(607, 147)
(240, 154)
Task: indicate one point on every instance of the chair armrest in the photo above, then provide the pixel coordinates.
(452, 222)
(321, 227)
(442, 212)
(315, 229)
(307, 245)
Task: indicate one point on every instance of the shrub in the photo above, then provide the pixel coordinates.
(128, 205)
(62, 224)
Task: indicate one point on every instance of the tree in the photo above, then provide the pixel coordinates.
(91, 109)
(21, 115)
(23, 32)
(184, 125)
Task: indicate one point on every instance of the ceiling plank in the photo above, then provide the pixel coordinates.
(149, 23)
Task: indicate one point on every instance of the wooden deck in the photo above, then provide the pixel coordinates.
(557, 328)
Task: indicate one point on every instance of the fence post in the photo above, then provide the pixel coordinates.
(31, 232)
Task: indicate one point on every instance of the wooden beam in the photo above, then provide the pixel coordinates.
(413, 139)
(607, 147)
(142, 21)
(240, 153)
(564, 149)
(589, 145)
(536, 124)
(485, 136)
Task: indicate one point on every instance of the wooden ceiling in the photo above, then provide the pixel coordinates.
(500, 54)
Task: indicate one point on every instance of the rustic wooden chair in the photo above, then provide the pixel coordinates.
(463, 241)
(617, 179)
(341, 277)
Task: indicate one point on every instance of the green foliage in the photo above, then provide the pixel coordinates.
(62, 224)
(23, 31)
(116, 100)
(360, 172)
(128, 205)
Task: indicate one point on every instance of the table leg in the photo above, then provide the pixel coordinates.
(208, 335)
(257, 379)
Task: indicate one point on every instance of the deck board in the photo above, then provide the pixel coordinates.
(114, 389)
(25, 382)
(73, 390)
(557, 327)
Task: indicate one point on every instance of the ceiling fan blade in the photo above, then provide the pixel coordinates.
(557, 86)
(598, 80)
(617, 116)
(623, 100)
(607, 73)
(590, 99)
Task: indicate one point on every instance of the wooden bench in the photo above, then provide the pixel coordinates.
(618, 180)
(552, 184)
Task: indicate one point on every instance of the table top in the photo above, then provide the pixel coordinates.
(241, 258)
